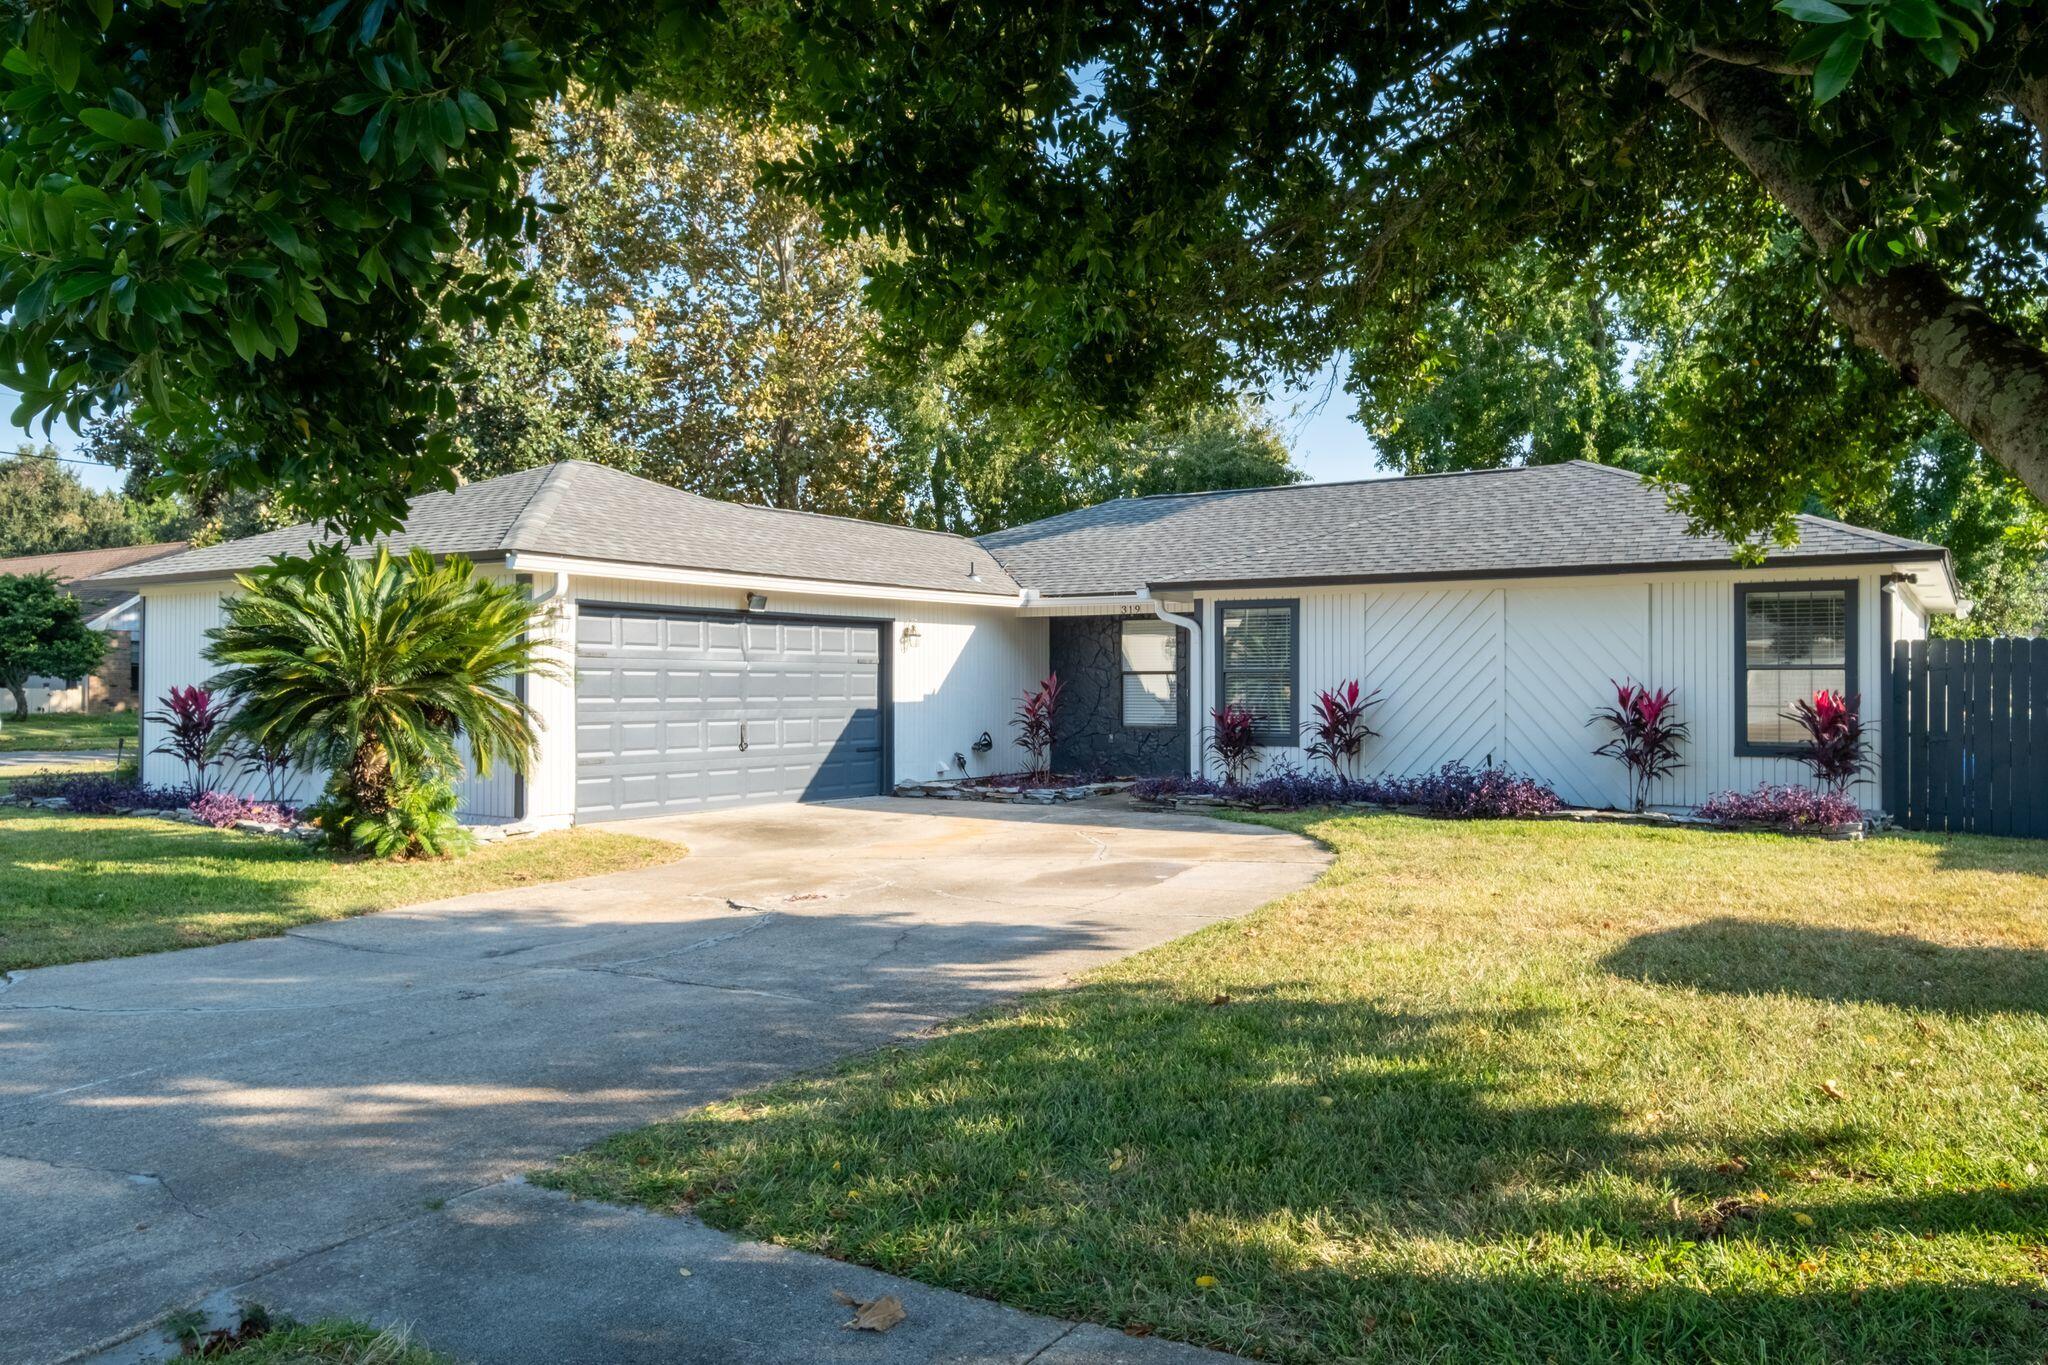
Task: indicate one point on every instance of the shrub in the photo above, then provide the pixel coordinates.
(1036, 721)
(1488, 793)
(419, 822)
(1647, 733)
(100, 793)
(1453, 790)
(384, 671)
(1783, 807)
(1338, 730)
(222, 809)
(190, 717)
(1834, 748)
(1233, 741)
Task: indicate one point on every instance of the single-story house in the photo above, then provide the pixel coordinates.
(726, 654)
(114, 613)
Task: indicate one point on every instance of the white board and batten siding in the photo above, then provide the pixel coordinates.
(959, 675)
(1512, 670)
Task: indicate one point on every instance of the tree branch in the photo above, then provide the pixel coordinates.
(1978, 369)
(1756, 56)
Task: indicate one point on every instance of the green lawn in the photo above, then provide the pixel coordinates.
(74, 887)
(66, 732)
(1488, 1092)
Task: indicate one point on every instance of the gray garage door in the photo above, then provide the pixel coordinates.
(680, 713)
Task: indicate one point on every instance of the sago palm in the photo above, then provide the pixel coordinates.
(380, 669)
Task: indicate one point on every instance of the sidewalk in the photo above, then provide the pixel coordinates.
(63, 759)
(515, 1275)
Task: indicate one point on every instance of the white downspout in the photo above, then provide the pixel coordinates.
(1194, 630)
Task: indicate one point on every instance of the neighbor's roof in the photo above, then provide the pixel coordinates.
(73, 565)
(1570, 518)
(587, 511)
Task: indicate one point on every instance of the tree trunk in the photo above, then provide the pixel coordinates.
(1980, 371)
(369, 778)
(14, 685)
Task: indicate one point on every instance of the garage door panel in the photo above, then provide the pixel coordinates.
(683, 713)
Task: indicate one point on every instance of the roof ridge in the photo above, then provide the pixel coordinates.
(540, 503)
(1869, 532)
(1348, 483)
(764, 507)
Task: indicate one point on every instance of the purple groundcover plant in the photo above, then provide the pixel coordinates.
(100, 793)
(1455, 790)
(1782, 807)
(222, 809)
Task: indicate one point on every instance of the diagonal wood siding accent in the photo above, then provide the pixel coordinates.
(1513, 670)
(1566, 647)
(1436, 656)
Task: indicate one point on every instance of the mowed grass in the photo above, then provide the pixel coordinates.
(1488, 1092)
(74, 887)
(52, 732)
(335, 1341)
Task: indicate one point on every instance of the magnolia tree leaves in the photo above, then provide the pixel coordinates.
(239, 220)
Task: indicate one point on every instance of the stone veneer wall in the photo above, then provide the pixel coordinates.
(1092, 738)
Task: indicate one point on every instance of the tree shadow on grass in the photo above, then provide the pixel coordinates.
(1358, 1182)
(1753, 957)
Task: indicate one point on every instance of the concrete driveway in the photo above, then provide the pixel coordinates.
(182, 1123)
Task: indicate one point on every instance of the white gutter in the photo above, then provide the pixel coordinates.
(556, 593)
(521, 562)
(1194, 630)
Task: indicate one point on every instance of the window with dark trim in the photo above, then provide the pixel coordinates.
(1791, 641)
(1258, 663)
(1150, 661)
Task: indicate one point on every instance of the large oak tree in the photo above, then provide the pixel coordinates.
(240, 216)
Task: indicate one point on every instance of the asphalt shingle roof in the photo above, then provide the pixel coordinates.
(588, 511)
(1566, 518)
(1573, 517)
(71, 567)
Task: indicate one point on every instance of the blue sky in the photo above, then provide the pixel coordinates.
(1315, 418)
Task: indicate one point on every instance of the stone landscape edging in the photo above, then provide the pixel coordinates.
(951, 789)
(1577, 814)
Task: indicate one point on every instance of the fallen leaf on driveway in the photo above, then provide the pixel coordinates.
(876, 1315)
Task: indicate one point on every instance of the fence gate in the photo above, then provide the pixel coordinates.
(1967, 740)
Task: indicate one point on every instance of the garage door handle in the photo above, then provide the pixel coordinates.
(743, 736)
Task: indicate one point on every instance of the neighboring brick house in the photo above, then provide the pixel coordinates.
(116, 614)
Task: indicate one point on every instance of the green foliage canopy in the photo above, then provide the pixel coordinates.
(45, 509)
(242, 219)
(42, 634)
(245, 218)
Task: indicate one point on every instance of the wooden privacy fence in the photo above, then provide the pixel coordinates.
(1966, 742)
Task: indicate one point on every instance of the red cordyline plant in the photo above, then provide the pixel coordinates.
(1233, 741)
(1037, 716)
(1835, 748)
(190, 717)
(1646, 735)
(1338, 730)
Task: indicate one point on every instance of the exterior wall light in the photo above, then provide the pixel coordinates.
(910, 636)
(756, 602)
